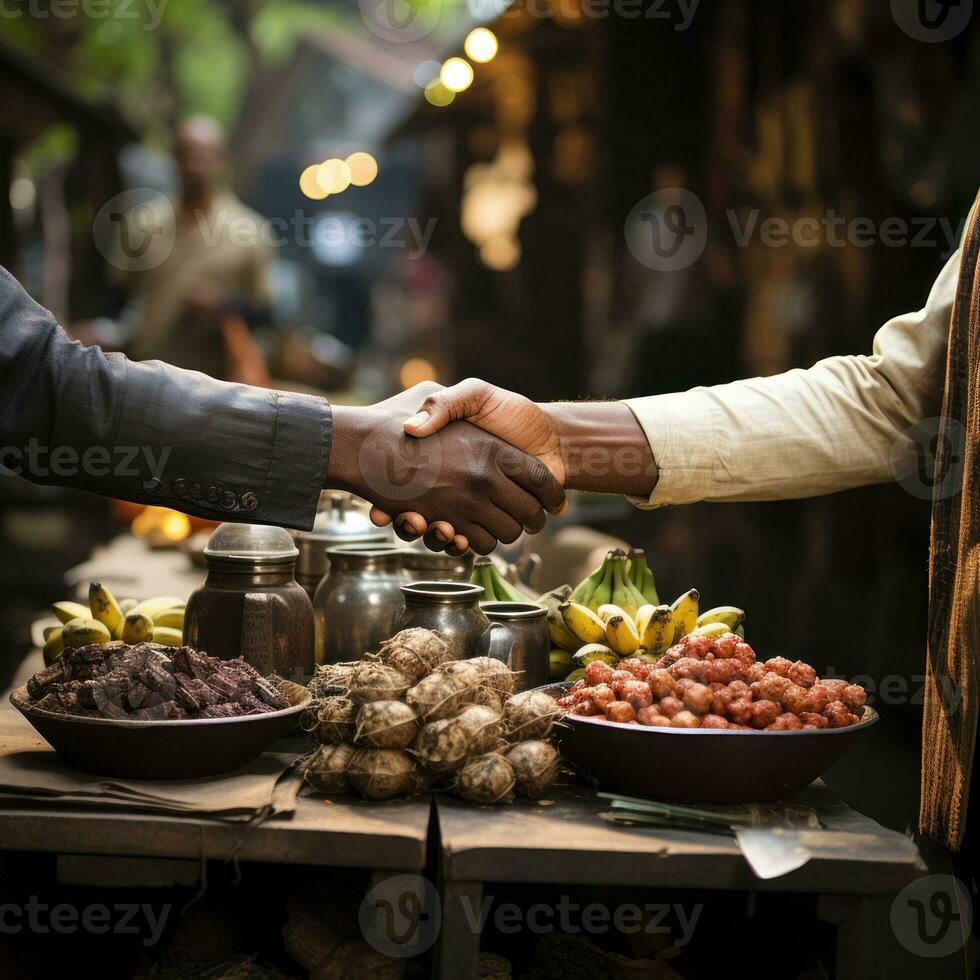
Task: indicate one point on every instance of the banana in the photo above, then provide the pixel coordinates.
(711, 629)
(559, 663)
(602, 595)
(174, 618)
(481, 576)
(67, 611)
(53, 644)
(606, 612)
(576, 675)
(646, 656)
(740, 632)
(167, 636)
(105, 609)
(127, 605)
(595, 651)
(81, 632)
(731, 616)
(621, 635)
(622, 595)
(583, 591)
(684, 613)
(583, 622)
(137, 628)
(642, 577)
(149, 607)
(560, 634)
(658, 630)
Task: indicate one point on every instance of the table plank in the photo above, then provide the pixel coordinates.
(568, 842)
(343, 832)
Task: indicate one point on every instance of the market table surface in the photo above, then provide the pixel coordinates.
(857, 865)
(348, 833)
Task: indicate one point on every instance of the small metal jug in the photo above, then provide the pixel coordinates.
(530, 640)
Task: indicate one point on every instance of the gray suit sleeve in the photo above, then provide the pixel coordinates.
(75, 416)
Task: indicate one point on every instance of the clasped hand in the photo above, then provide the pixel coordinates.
(458, 483)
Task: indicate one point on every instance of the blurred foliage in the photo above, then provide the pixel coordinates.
(162, 59)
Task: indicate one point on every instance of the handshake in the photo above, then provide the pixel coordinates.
(471, 465)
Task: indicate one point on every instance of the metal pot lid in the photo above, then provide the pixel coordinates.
(343, 522)
(251, 543)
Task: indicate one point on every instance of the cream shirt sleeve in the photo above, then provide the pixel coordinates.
(840, 424)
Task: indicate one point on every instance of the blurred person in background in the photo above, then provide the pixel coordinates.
(193, 309)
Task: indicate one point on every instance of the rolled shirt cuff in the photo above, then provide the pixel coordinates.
(682, 430)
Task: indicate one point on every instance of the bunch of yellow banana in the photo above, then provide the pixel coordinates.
(106, 619)
(612, 632)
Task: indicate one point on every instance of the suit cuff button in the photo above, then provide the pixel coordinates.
(180, 487)
(152, 486)
(249, 501)
(229, 501)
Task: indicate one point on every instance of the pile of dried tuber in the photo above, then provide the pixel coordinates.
(408, 719)
(151, 682)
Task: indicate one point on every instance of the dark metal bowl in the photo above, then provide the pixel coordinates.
(702, 765)
(175, 749)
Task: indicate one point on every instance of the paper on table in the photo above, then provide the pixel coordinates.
(772, 852)
(265, 787)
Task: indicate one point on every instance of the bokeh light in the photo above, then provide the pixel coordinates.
(437, 94)
(416, 370)
(363, 168)
(456, 74)
(481, 45)
(308, 183)
(500, 253)
(23, 193)
(333, 176)
(427, 72)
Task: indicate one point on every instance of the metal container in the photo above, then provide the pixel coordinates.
(358, 601)
(341, 522)
(530, 640)
(251, 605)
(453, 609)
(430, 566)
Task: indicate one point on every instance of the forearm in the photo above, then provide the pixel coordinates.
(603, 448)
(74, 416)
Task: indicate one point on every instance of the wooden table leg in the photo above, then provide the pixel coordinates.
(863, 933)
(458, 948)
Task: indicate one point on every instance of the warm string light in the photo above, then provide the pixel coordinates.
(456, 74)
(481, 45)
(334, 176)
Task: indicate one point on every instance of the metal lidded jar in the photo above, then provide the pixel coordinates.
(358, 601)
(251, 605)
(339, 523)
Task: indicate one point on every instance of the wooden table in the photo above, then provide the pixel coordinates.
(343, 833)
(857, 866)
